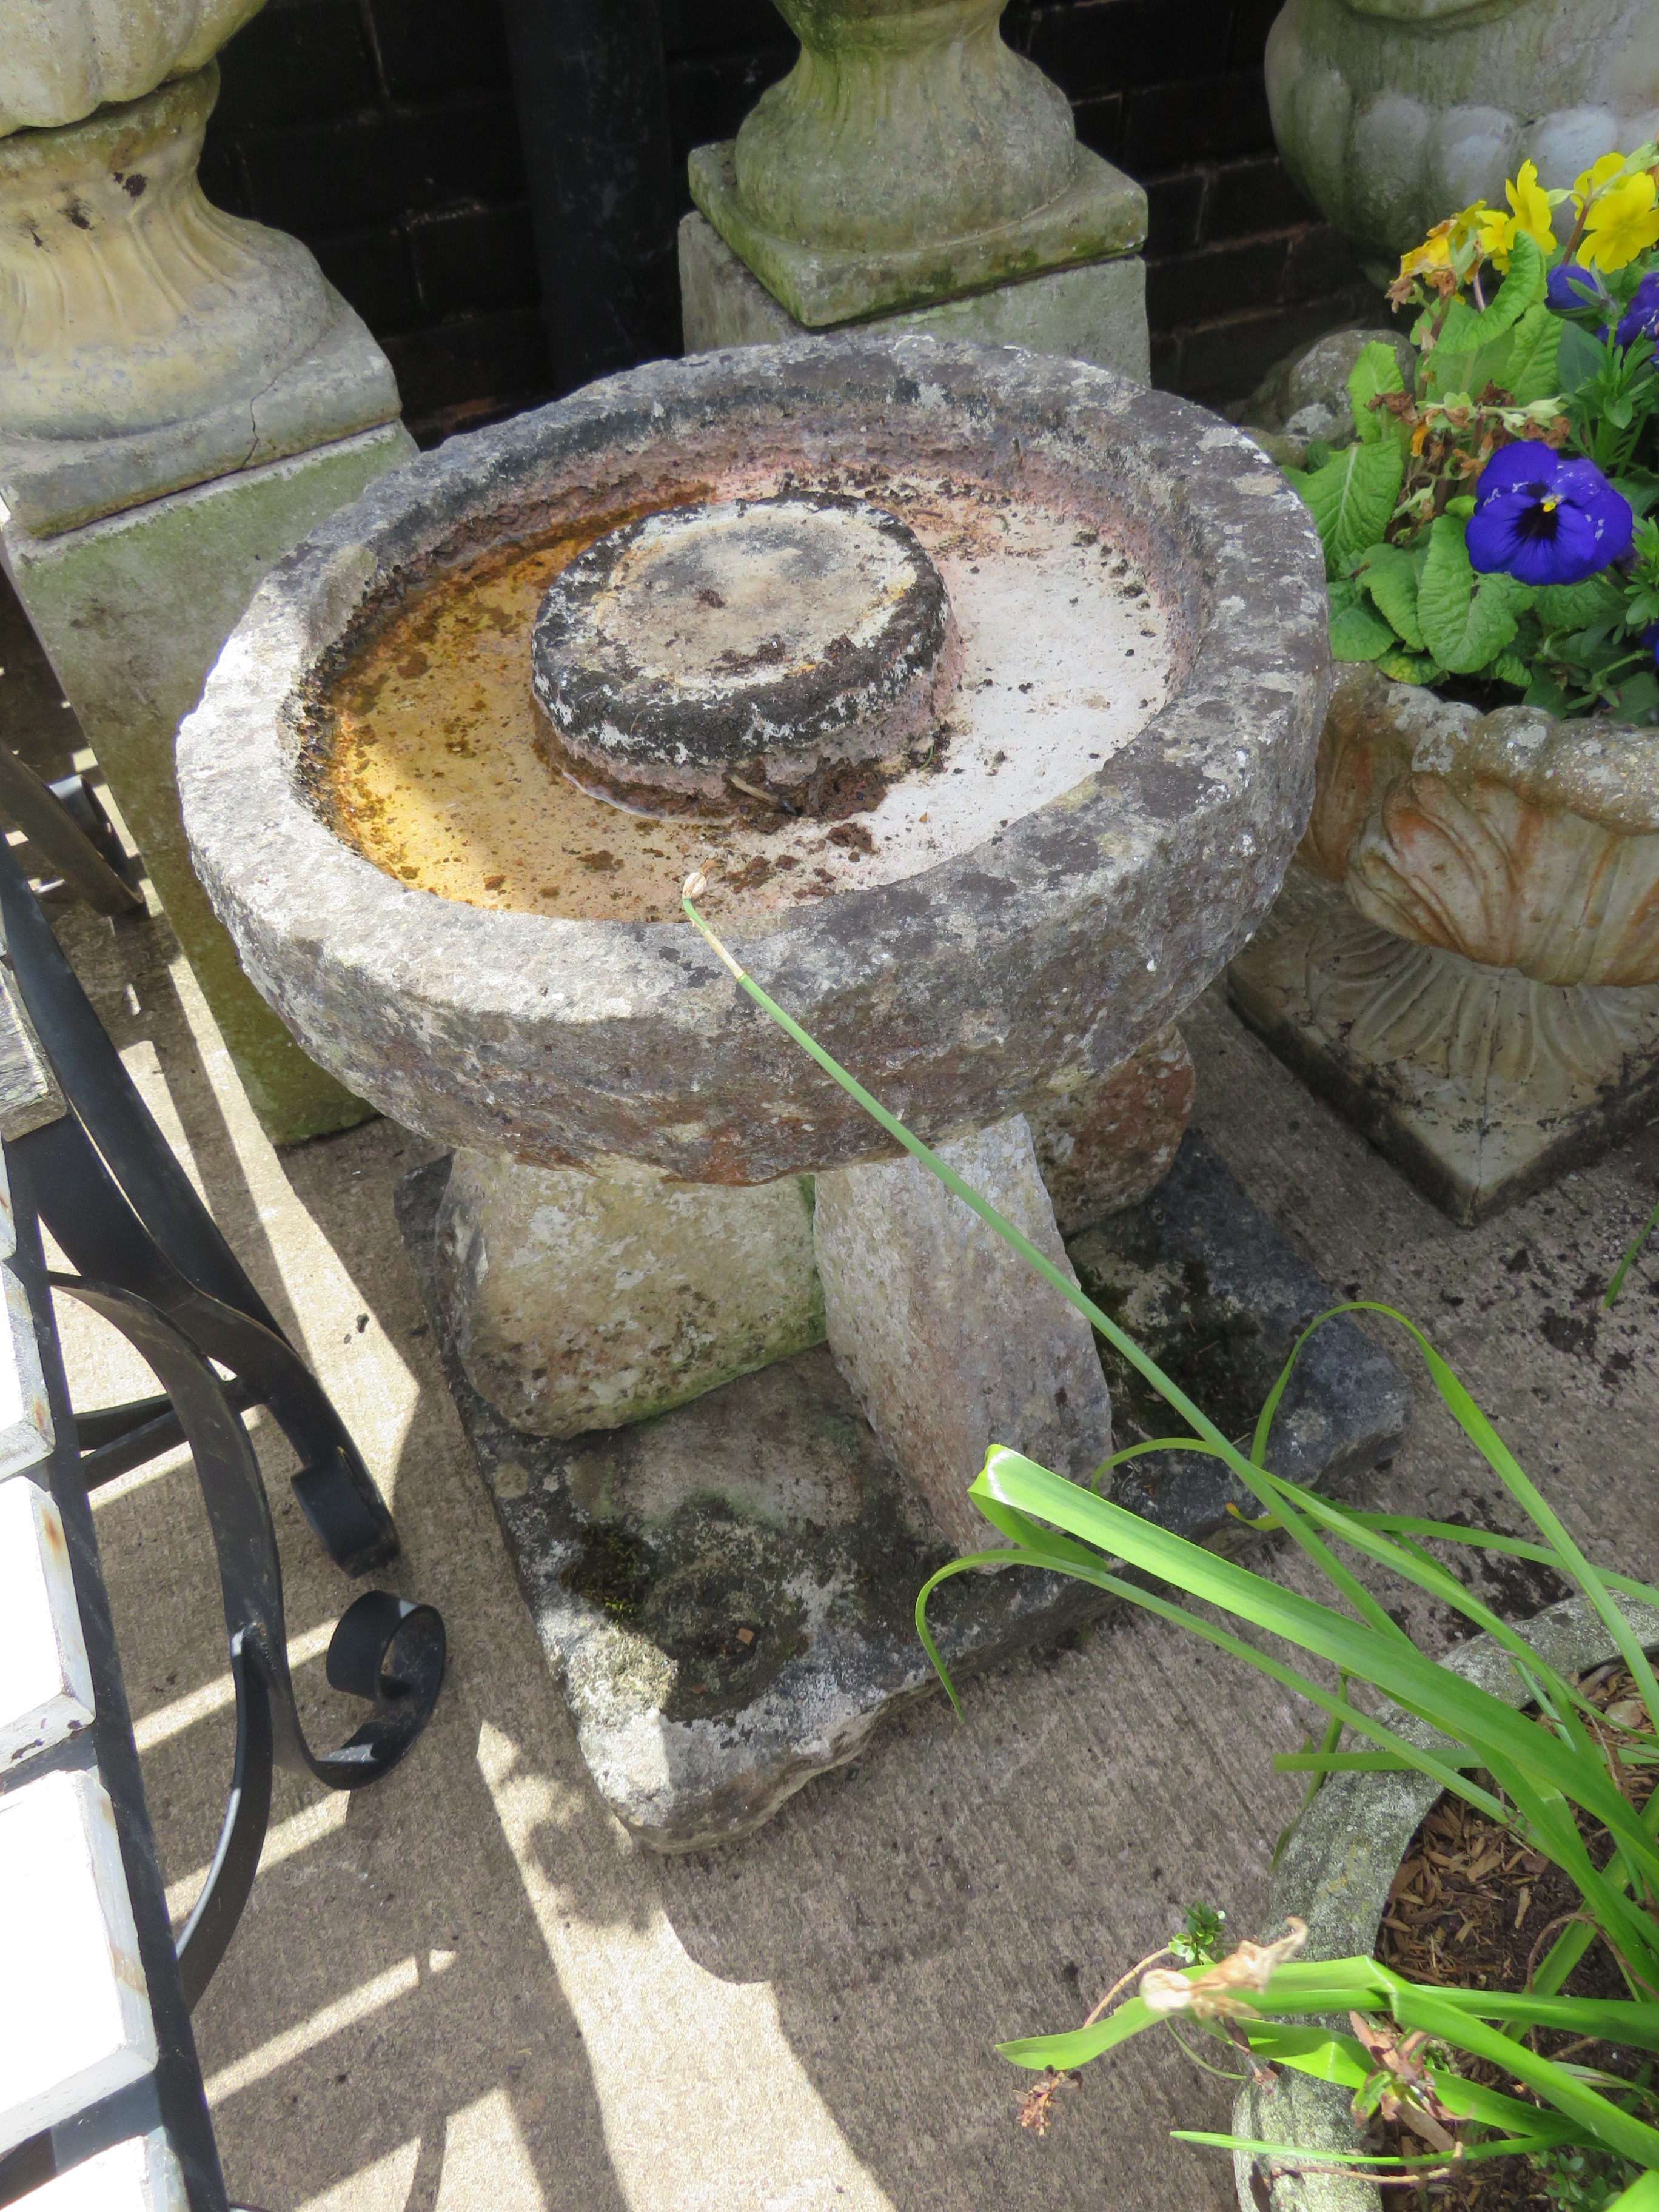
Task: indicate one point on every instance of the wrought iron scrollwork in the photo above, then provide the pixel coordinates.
(150, 1260)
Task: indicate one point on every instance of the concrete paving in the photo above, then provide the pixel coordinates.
(466, 1990)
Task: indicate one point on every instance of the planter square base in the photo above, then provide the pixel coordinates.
(1093, 311)
(342, 386)
(724, 1592)
(1479, 1084)
(1102, 213)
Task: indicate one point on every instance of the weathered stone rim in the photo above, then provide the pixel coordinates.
(1074, 931)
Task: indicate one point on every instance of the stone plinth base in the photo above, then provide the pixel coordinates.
(579, 1300)
(1101, 212)
(345, 385)
(951, 1343)
(1095, 312)
(1479, 1084)
(132, 612)
(724, 1593)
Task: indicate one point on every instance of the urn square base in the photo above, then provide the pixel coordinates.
(1102, 215)
(341, 386)
(132, 612)
(724, 1592)
(1096, 312)
(1479, 1084)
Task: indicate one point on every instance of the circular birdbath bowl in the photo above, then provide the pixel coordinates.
(985, 687)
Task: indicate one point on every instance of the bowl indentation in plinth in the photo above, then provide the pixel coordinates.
(762, 636)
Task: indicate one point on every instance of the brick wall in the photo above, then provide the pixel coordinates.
(383, 133)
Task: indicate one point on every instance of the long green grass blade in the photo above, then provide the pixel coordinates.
(1624, 1267)
(1298, 2154)
(1487, 1540)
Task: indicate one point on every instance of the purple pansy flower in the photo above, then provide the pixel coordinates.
(1544, 519)
(1641, 318)
(1571, 289)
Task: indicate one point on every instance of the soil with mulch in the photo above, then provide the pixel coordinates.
(1470, 1906)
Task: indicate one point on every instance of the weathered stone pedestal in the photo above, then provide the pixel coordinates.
(1096, 312)
(724, 1592)
(948, 1340)
(584, 1301)
(911, 170)
(979, 690)
(182, 398)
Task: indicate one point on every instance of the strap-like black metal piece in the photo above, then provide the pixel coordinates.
(124, 1212)
(68, 828)
(384, 1648)
(151, 1261)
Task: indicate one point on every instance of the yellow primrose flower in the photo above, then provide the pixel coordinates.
(1585, 186)
(1496, 236)
(1435, 252)
(1621, 224)
(1531, 205)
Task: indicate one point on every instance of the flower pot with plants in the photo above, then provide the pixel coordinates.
(1468, 964)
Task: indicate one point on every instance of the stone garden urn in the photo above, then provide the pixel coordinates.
(1469, 966)
(1392, 113)
(148, 341)
(983, 688)
(908, 156)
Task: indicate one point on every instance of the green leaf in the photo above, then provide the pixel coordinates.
(1638, 697)
(1454, 363)
(1641, 2196)
(1412, 667)
(1351, 499)
(1507, 669)
(1376, 370)
(1580, 358)
(1357, 634)
(1464, 623)
(1545, 693)
(1524, 364)
(1579, 606)
(1522, 288)
(1390, 575)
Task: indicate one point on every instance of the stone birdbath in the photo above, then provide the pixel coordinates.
(986, 688)
(1388, 113)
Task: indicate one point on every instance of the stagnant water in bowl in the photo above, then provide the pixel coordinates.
(435, 768)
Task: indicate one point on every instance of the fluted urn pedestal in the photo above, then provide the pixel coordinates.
(183, 395)
(911, 168)
(1467, 962)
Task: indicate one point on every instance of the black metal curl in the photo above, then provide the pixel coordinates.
(122, 1209)
(384, 1647)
